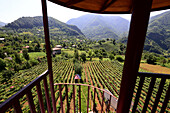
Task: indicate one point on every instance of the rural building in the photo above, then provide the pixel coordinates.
(56, 51)
(58, 46)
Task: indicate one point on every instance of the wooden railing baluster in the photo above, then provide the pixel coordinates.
(40, 99)
(47, 95)
(74, 98)
(67, 99)
(80, 98)
(142, 78)
(17, 106)
(158, 96)
(109, 103)
(88, 99)
(102, 102)
(61, 102)
(94, 105)
(30, 101)
(152, 83)
(166, 100)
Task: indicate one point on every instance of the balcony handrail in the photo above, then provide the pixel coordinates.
(153, 77)
(111, 96)
(10, 101)
(77, 84)
(156, 75)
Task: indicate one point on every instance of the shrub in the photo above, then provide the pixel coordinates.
(119, 58)
(2, 64)
(33, 62)
(83, 56)
(78, 68)
(151, 59)
(111, 56)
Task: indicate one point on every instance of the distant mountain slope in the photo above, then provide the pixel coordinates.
(2, 24)
(98, 27)
(158, 34)
(56, 27)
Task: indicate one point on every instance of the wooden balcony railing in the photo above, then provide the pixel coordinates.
(105, 100)
(14, 100)
(105, 97)
(157, 83)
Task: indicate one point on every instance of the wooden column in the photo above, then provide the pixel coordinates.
(135, 44)
(48, 52)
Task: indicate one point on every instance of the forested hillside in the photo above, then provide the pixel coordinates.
(99, 27)
(35, 25)
(158, 34)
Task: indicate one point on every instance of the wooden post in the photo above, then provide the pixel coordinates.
(48, 51)
(135, 44)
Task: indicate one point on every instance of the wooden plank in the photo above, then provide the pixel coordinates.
(80, 98)
(8, 103)
(74, 98)
(47, 95)
(30, 101)
(67, 99)
(48, 52)
(142, 78)
(40, 99)
(158, 96)
(94, 105)
(17, 106)
(102, 102)
(135, 44)
(166, 100)
(151, 86)
(88, 99)
(157, 75)
(61, 102)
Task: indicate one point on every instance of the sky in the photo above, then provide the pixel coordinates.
(11, 10)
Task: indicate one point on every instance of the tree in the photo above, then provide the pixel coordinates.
(25, 54)
(83, 56)
(78, 68)
(119, 58)
(100, 57)
(76, 54)
(2, 55)
(111, 56)
(2, 64)
(151, 59)
(90, 55)
(114, 41)
(17, 58)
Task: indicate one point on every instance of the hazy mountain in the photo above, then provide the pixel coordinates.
(158, 34)
(56, 27)
(99, 27)
(2, 24)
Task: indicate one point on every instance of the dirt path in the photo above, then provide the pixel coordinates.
(155, 68)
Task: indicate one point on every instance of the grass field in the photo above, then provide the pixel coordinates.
(155, 68)
(36, 55)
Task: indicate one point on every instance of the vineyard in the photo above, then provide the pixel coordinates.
(104, 75)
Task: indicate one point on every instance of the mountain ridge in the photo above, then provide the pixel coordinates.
(97, 26)
(56, 27)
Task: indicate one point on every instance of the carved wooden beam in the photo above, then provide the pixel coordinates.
(106, 5)
(72, 2)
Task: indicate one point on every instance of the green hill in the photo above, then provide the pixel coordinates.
(35, 25)
(158, 34)
(99, 27)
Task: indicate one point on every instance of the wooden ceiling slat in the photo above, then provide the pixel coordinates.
(106, 5)
(109, 6)
(72, 2)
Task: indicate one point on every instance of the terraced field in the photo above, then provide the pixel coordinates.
(104, 74)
